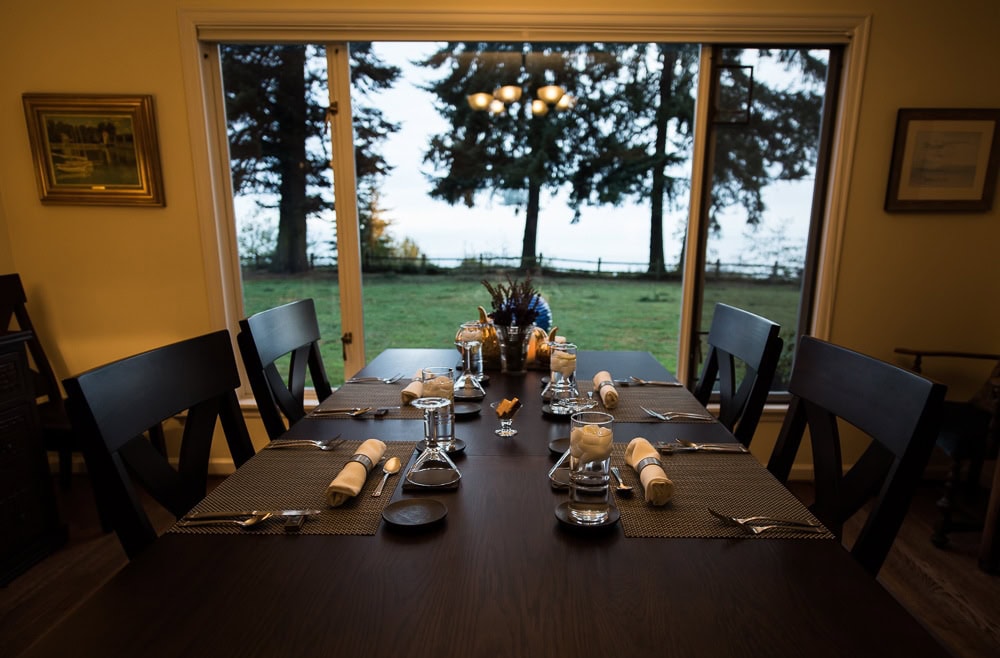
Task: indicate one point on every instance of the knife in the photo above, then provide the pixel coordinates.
(626, 382)
(238, 513)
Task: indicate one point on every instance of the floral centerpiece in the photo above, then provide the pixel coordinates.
(515, 308)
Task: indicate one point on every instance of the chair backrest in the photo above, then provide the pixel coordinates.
(266, 337)
(113, 405)
(739, 336)
(898, 409)
(14, 308)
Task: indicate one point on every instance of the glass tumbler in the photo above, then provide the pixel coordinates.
(562, 377)
(439, 382)
(590, 441)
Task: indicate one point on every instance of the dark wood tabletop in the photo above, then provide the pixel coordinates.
(499, 577)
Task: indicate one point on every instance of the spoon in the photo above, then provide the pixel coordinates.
(391, 467)
(621, 487)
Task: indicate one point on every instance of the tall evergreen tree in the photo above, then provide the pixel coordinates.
(276, 114)
(515, 150)
(628, 138)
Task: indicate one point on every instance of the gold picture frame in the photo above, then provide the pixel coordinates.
(95, 149)
(944, 160)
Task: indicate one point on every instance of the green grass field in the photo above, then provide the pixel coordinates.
(403, 310)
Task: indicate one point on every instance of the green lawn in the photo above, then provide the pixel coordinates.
(403, 310)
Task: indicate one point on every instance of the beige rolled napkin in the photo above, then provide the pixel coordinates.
(352, 477)
(608, 393)
(412, 391)
(659, 489)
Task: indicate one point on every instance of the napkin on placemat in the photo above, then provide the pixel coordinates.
(606, 389)
(659, 489)
(352, 477)
(411, 392)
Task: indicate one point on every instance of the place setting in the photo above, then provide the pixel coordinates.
(292, 489)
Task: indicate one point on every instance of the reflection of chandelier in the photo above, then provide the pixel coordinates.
(548, 96)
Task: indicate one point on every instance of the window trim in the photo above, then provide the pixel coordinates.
(213, 198)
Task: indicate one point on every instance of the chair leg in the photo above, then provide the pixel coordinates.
(946, 504)
(65, 467)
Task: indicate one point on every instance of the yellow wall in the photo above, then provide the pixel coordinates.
(105, 282)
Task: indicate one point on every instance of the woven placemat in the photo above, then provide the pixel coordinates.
(733, 484)
(372, 395)
(297, 479)
(658, 398)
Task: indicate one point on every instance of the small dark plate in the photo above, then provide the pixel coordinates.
(414, 512)
(466, 397)
(559, 478)
(458, 445)
(466, 409)
(562, 513)
(558, 446)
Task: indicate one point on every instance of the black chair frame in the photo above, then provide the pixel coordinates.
(898, 409)
(736, 334)
(265, 338)
(114, 405)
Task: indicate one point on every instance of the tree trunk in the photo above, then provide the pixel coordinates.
(657, 265)
(530, 245)
(290, 254)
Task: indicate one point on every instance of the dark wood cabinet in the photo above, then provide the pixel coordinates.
(29, 520)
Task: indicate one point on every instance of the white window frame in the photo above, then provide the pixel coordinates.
(199, 29)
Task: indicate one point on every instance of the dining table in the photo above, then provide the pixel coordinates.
(497, 572)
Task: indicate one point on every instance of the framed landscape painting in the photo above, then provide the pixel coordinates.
(94, 149)
(944, 160)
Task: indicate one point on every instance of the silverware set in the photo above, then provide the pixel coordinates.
(668, 416)
(323, 444)
(374, 380)
(759, 524)
(636, 381)
(680, 445)
(353, 412)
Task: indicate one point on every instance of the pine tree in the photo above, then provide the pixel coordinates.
(276, 114)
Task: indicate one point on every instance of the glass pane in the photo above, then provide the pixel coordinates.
(766, 130)
(276, 101)
(531, 157)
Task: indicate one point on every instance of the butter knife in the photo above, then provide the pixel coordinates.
(230, 514)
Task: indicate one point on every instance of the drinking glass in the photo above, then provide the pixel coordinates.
(433, 467)
(470, 345)
(439, 382)
(562, 377)
(590, 442)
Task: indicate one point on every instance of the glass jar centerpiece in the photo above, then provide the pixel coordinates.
(514, 311)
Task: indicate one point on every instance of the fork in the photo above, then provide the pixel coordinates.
(324, 444)
(374, 380)
(754, 523)
(676, 415)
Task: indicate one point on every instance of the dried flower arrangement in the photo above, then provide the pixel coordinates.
(514, 304)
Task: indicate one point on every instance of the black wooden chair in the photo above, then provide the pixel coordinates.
(739, 339)
(899, 410)
(969, 435)
(266, 337)
(114, 405)
(57, 432)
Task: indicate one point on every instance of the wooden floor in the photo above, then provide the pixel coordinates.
(943, 588)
